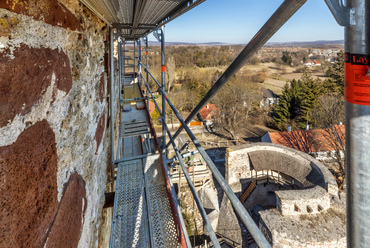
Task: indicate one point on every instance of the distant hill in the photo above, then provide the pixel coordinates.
(156, 43)
(307, 43)
(292, 43)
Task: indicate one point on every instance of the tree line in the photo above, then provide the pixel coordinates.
(303, 101)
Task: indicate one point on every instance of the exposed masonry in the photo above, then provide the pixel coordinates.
(310, 215)
(29, 190)
(243, 162)
(306, 201)
(52, 62)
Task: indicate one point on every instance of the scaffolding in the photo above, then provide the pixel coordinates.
(132, 20)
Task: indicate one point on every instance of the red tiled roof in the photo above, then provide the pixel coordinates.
(208, 113)
(316, 140)
(152, 107)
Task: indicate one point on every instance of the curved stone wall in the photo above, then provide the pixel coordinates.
(241, 161)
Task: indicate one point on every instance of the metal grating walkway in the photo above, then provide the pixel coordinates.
(142, 215)
(129, 225)
(162, 226)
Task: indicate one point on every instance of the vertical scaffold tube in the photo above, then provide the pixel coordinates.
(111, 98)
(147, 57)
(163, 69)
(139, 59)
(357, 95)
(120, 68)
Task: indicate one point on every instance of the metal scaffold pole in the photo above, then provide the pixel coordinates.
(147, 58)
(163, 69)
(357, 95)
(139, 59)
(120, 67)
(276, 21)
(111, 98)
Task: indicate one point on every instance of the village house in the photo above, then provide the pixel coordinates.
(320, 143)
(311, 63)
(208, 114)
(269, 98)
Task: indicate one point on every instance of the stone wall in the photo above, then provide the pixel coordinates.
(242, 161)
(54, 140)
(283, 242)
(305, 201)
(237, 165)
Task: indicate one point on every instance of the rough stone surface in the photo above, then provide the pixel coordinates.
(49, 11)
(66, 229)
(73, 113)
(209, 199)
(101, 88)
(309, 217)
(304, 201)
(6, 25)
(241, 160)
(100, 130)
(228, 224)
(28, 170)
(25, 78)
(327, 229)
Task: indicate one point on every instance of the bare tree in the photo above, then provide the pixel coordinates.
(328, 113)
(236, 101)
(335, 136)
(171, 67)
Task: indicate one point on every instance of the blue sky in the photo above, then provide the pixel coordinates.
(237, 21)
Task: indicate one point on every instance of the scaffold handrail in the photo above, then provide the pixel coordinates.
(202, 211)
(238, 207)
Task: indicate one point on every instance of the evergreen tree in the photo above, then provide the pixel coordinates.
(289, 102)
(287, 58)
(311, 90)
(298, 99)
(336, 74)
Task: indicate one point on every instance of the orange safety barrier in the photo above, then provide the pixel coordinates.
(195, 123)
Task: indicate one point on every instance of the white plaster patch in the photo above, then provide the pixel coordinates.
(36, 34)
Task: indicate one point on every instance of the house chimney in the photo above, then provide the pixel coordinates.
(289, 128)
(340, 123)
(307, 127)
(207, 107)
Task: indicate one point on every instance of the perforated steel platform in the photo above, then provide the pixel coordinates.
(129, 224)
(162, 226)
(142, 214)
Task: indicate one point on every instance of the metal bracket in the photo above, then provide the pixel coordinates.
(158, 34)
(342, 14)
(117, 34)
(136, 99)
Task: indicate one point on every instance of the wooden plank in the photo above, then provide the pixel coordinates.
(131, 91)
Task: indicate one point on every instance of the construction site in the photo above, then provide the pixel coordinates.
(83, 166)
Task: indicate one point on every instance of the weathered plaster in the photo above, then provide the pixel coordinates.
(72, 115)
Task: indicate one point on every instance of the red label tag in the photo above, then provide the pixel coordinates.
(357, 84)
(163, 68)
